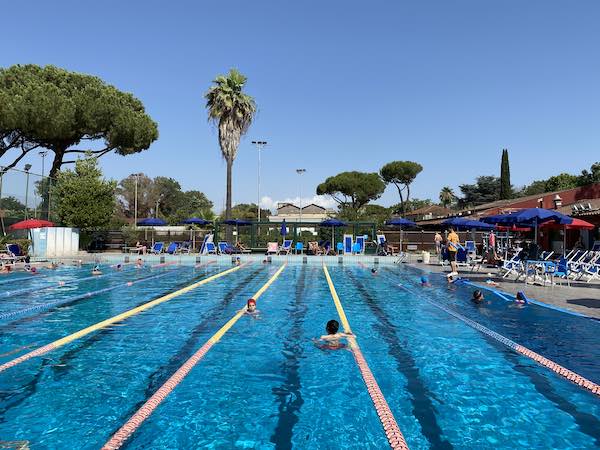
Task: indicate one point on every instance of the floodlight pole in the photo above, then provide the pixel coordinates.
(27, 168)
(300, 172)
(259, 146)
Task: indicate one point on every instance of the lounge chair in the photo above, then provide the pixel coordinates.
(512, 266)
(157, 248)
(210, 248)
(359, 245)
(14, 252)
(225, 248)
(207, 238)
(384, 248)
(185, 247)
(562, 271)
(172, 248)
(348, 241)
(272, 248)
(286, 248)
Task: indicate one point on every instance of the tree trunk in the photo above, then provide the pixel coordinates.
(401, 199)
(59, 153)
(229, 230)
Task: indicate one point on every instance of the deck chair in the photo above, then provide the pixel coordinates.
(210, 248)
(348, 241)
(512, 266)
(207, 238)
(157, 248)
(359, 245)
(286, 248)
(172, 248)
(225, 248)
(15, 252)
(185, 247)
(272, 248)
(382, 244)
(562, 271)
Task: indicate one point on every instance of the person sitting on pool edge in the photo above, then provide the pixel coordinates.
(477, 296)
(251, 308)
(96, 270)
(331, 340)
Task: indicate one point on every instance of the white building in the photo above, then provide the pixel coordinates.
(311, 214)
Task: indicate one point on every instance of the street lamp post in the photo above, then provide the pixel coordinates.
(300, 172)
(27, 167)
(45, 187)
(259, 146)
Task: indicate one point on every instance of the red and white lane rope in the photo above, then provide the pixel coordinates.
(125, 432)
(386, 417)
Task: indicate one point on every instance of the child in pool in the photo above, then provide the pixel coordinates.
(139, 263)
(331, 340)
(96, 270)
(477, 297)
(251, 308)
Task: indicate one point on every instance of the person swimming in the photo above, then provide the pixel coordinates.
(237, 261)
(251, 308)
(374, 271)
(477, 296)
(331, 340)
(96, 270)
(521, 299)
(139, 263)
(425, 282)
(118, 267)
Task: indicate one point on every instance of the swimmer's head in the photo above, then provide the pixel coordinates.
(477, 295)
(521, 297)
(119, 266)
(33, 270)
(251, 305)
(373, 270)
(332, 327)
(424, 280)
(96, 268)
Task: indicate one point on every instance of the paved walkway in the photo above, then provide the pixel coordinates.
(581, 297)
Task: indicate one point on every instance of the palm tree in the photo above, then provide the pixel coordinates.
(447, 196)
(233, 111)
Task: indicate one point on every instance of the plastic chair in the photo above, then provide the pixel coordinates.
(299, 247)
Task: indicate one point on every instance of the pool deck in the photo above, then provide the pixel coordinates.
(580, 297)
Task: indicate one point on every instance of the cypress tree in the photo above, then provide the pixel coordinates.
(505, 189)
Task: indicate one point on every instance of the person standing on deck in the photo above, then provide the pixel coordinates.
(438, 242)
(452, 247)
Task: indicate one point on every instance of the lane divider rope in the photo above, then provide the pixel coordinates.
(386, 417)
(574, 377)
(118, 318)
(49, 305)
(135, 421)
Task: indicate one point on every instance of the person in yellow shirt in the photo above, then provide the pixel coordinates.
(452, 246)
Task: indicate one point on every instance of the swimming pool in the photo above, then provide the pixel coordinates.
(263, 383)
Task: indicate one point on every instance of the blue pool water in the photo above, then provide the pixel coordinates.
(266, 385)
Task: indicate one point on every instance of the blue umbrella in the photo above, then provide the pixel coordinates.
(237, 223)
(401, 222)
(500, 219)
(151, 222)
(535, 216)
(462, 223)
(195, 221)
(333, 223)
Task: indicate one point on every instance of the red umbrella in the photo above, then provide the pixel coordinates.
(577, 224)
(29, 224)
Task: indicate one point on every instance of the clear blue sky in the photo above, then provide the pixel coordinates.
(340, 85)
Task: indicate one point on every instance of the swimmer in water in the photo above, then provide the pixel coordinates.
(425, 282)
(521, 300)
(238, 261)
(118, 266)
(96, 270)
(265, 261)
(331, 340)
(33, 271)
(477, 297)
(251, 308)
(374, 271)
(139, 263)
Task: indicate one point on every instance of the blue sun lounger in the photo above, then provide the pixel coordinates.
(172, 248)
(157, 248)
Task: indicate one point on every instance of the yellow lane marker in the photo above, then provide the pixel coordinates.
(388, 422)
(125, 432)
(118, 318)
